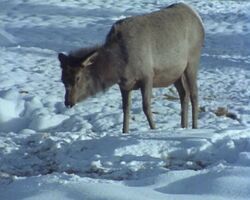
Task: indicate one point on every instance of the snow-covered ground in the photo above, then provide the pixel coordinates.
(50, 152)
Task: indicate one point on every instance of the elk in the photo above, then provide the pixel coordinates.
(141, 52)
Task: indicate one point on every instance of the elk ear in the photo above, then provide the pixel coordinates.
(62, 58)
(90, 60)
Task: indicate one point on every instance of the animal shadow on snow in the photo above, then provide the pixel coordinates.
(46, 153)
(117, 157)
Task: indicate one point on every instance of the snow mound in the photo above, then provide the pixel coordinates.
(19, 111)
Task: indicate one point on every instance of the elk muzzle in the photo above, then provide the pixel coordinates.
(70, 98)
(68, 104)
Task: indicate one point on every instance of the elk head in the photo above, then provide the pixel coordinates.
(76, 77)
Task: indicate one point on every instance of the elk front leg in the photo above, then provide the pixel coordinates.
(146, 91)
(182, 88)
(191, 75)
(126, 104)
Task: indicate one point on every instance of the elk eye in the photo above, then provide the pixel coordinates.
(77, 78)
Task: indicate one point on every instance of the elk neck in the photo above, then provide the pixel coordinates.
(104, 73)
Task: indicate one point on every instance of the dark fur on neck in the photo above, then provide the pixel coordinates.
(103, 73)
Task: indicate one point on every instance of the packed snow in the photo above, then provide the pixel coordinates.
(50, 152)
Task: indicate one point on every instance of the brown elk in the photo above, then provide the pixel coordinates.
(141, 52)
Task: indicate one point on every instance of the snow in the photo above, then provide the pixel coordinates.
(50, 152)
